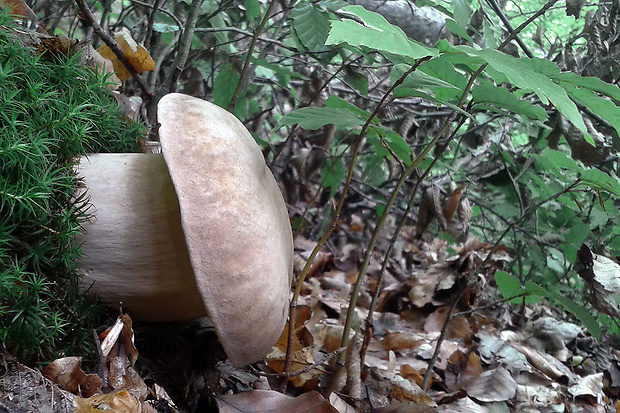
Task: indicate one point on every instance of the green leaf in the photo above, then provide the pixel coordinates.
(578, 311)
(520, 72)
(278, 69)
(417, 79)
(501, 97)
(252, 9)
(443, 69)
(374, 170)
(339, 103)
(224, 85)
(462, 12)
(333, 175)
(311, 26)
(603, 107)
(560, 159)
(315, 118)
(491, 33)
(375, 33)
(592, 83)
(165, 28)
(453, 27)
(578, 233)
(601, 181)
(386, 136)
(357, 80)
(333, 5)
(508, 285)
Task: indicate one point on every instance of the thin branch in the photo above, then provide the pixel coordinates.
(244, 33)
(248, 59)
(151, 23)
(185, 45)
(450, 315)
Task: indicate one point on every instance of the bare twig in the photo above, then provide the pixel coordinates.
(248, 59)
(151, 23)
(185, 45)
(108, 40)
(450, 315)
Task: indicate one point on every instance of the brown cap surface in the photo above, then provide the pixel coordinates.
(235, 221)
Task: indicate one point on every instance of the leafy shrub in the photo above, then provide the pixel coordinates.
(52, 110)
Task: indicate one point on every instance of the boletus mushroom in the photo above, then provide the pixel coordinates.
(199, 230)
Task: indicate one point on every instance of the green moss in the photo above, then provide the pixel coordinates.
(51, 112)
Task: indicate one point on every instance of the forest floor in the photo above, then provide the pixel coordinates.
(494, 357)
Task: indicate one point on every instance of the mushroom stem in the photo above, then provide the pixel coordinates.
(135, 252)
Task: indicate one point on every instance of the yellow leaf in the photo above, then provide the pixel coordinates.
(137, 55)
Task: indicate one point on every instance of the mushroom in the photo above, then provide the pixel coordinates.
(201, 229)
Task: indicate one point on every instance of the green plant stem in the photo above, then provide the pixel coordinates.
(529, 211)
(332, 226)
(248, 59)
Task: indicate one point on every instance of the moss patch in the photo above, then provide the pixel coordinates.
(52, 110)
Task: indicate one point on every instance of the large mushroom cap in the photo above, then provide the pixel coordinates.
(235, 221)
(205, 232)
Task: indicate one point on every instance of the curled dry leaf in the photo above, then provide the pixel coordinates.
(121, 332)
(602, 277)
(459, 326)
(462, 367)
(118, 402)
(137, 55)
(19, 8)
(67, 373)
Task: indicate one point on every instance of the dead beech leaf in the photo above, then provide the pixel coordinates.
(459, 326)
(452, 202)
(66, 372)
(412, 374)
(464, 405)
(462, 367)
(398, 340)
(302, 351)
(118, 402)
(137, 55)
(340, 405)
(492, 386)
(602, 277)
(271, 401)
(19, 8)
(93, 59)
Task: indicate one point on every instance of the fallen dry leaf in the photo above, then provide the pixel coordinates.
(137, 55)
(261, 401)
(118, 402)
(462, 367)
(492, 386)
(67, 373)
(19, 8)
